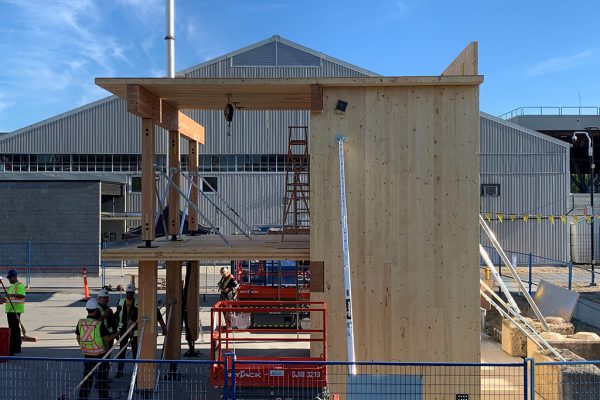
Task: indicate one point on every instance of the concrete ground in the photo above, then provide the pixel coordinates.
(54, 305)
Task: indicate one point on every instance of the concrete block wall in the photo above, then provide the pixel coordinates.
(60, 219)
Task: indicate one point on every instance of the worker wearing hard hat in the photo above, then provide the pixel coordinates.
(127, 315)
(107, 316)
(93, 337)
(14, 304)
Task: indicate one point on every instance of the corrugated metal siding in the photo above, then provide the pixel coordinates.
(533, 174)
(102, 129)
(224, 69)
(107, 127)
(252, 132)
(257, 197)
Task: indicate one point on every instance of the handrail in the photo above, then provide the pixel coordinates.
(137, 356)
(547, 110)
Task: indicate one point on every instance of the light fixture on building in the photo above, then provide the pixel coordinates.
(340, 107)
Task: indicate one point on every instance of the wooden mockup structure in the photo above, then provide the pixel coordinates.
(412, 181)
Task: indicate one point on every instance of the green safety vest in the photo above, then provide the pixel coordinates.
(90, 338)
(122, 310)
(18, 305)
(105, 321)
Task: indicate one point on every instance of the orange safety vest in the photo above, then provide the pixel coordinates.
(90, 338)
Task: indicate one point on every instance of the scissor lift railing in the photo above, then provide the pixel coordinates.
(227, 333)
(270, 280)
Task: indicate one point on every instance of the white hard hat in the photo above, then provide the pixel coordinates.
(130, 288)
(91, 304)
(103, 293)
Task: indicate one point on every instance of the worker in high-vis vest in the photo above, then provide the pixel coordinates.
(127, 315)
(107, 316)
(92, 336)
(228, 286)
(14, 309)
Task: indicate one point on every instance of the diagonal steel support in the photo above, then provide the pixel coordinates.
(512, 270)
(230, 208)
(531, 334)
(498, 278)
(185, 211)
(208, 221)
(162, 209)
(216, 206)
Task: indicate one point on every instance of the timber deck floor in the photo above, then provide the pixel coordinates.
(212, 247)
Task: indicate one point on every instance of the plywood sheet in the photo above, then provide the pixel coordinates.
(412, 174)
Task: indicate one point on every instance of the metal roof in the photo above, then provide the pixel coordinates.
(277, 38)
(525, 130)
(8, 135)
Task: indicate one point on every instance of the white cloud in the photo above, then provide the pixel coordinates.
(146, 11)
(557, 64)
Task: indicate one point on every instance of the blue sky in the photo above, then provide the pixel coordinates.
(532, 53)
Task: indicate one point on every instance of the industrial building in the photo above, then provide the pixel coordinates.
(244, 160)
(525, 173)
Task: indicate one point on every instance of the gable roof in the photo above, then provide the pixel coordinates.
(272, 39)
(275, 38)
(525, 130)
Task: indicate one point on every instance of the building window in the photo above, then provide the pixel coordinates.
(135, 184)
(490, 189)
(210, 184)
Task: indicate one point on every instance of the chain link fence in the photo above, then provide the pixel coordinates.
(46, 378)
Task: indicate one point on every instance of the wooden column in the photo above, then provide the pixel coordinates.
(193, 169)
(174, 291)
(174, 195)
(192, 298)
(146, 378)
(148, 194)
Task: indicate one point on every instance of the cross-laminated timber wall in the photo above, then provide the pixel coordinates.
(412, 181)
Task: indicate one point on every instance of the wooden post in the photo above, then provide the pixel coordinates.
(146, 378)
(174, 197)
(174, 290)
(193, 169)
(148, 194)
(192, 298)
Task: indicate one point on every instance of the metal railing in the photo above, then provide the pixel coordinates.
(520, 111)
(39, 258)
(532, 268)
(48, 378)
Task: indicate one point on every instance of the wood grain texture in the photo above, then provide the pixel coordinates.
(211, 247)
(192, 302)
(174, 199)
(192, 214)
(412, 175)
(148, 277)
(466, 63)
(174, 292)
(148, 194)
(145, 104)
(261, 94)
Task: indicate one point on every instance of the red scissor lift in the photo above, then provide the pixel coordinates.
(263, 376)
(273, 280)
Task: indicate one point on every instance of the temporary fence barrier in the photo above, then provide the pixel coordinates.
(532, 269)
(47, 378)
